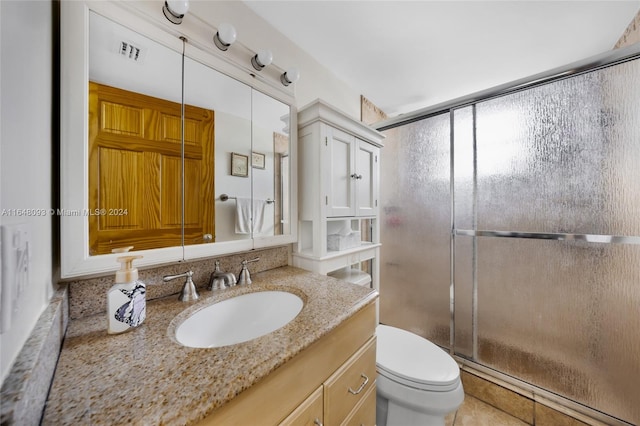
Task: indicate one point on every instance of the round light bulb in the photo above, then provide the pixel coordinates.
(265, 57)
(293, 75)
(227, 33)
(290, 76)
(261, 59)
(178, 7)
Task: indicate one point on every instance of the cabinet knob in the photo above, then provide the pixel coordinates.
(317, 422)
(356, 176)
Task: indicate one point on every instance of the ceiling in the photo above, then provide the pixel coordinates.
(406, 55)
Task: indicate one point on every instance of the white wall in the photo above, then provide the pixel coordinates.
(233, 134)
(316, 80)
(25, 152)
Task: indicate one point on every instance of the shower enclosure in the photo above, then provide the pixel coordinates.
(510, 232)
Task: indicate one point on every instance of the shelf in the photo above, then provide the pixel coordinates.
(334, 261)
(334, 254)
(352, 275)
(338, 218)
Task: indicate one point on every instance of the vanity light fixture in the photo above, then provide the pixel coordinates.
(174, 10)
(225, 36)
(261, 59)
(290, 76)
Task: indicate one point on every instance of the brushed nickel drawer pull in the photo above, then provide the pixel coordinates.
(317, 422)
(366, 380)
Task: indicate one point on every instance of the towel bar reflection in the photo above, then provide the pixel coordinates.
(225, 197)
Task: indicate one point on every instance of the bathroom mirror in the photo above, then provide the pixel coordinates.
(122, 152)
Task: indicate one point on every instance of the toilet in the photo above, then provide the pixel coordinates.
(418, 383)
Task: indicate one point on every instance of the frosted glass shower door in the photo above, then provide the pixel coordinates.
(415, 229)
(556, 215)
(544, 209)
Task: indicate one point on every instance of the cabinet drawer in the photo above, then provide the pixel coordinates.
(365, 413)
(309, 413)
(350, 383)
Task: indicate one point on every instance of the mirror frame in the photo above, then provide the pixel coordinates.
(147, 19)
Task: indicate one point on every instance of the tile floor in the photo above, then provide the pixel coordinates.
(474, 412)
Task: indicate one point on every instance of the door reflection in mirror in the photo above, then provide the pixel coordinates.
(134, 141)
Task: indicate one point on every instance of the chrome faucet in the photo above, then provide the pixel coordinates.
(220, 280)
(189, 292)
(245, 276)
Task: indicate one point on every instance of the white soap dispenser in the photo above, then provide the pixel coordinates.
(126, 300)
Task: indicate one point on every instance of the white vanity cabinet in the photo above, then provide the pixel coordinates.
(338, 175)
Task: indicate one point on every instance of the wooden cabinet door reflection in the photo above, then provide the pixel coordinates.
(135, 171)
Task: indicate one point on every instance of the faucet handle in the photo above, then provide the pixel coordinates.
(245, 276)
(244, 262)
(189, 292)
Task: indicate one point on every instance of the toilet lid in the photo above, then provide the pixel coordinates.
(414, 361)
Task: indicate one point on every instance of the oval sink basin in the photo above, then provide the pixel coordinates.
(239, 319)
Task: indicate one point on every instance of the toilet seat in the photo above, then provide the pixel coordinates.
(413, 361)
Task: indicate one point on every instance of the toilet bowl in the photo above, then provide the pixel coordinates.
(418, 383)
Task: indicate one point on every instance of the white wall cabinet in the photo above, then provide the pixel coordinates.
(339, 163)
(352, 187)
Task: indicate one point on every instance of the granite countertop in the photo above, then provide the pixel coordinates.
(145, 377)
